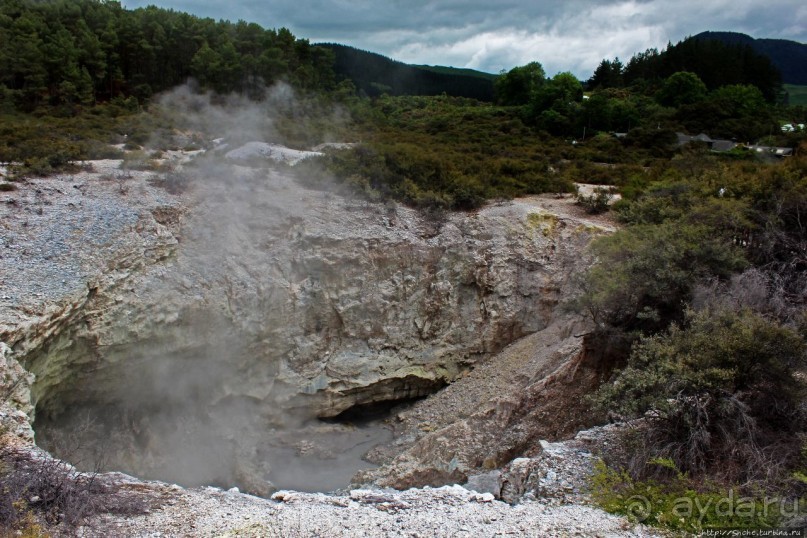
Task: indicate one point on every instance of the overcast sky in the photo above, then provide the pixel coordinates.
(491, 35)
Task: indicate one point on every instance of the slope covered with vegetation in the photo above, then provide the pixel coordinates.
(704, 293)
(789, 57)
(74, 53)
(375, 75)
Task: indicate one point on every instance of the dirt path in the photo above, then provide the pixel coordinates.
(565, 206)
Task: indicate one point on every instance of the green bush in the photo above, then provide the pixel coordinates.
(138, 160)
(680, 504)
(597, 202)
(645, 273)
(719, 393)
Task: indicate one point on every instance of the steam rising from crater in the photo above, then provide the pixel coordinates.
(193, 345)
(249, 306)
(280, 116)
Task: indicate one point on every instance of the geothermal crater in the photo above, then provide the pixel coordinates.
(250, 331)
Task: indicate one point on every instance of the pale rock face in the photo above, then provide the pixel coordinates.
(252, 151)
(266, 303)
(15, 397)
(252, 293)
(533, 389)
(282, 293)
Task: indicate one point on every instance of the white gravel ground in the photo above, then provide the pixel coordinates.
(450, 511)
(270, 152)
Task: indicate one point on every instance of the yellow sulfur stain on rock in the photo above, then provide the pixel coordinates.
(547, 223)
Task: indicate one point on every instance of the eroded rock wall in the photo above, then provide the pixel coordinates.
(253, 286)
(224, 315)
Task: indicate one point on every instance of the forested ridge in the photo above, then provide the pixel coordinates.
(790, 57)
(715, 62)
(375, 75)
(79, 52)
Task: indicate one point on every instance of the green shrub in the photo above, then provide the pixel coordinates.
(645, 273)
(138, 160)
(719, 394)
(597, 202)
(681, 505)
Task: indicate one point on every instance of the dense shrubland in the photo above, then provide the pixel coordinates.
(708, 283)
(450, 153)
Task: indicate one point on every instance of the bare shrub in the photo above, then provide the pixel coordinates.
(761, 291)
(718, 438)
(175, 182)
(55, 493)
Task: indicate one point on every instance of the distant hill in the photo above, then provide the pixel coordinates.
(797, 95)
(715, 62)
(458, 71)
(375, 75)
(790, 57)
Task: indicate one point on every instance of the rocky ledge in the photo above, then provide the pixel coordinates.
(538, 496)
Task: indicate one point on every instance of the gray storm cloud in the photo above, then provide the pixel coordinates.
(491, 36)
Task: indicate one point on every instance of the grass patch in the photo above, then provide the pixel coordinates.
(680, 504)
(797, 94)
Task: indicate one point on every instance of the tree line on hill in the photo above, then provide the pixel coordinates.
(73, 53)
(374, 75)
(697, 85)
(78, 52)
(716, 63)
(69, 53)
(789, 57)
